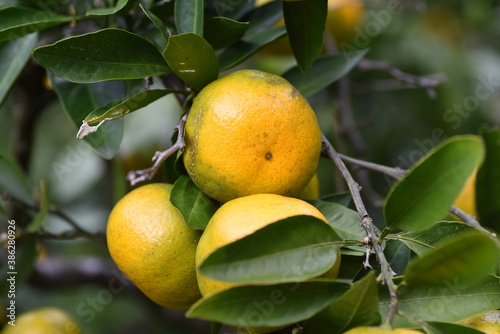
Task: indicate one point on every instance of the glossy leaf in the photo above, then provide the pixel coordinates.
(342, 198)
(189, 16)
(323, 72)
(101, 115)
(108, 54)
(292, 249)
(192, 59)
(422, 242)
(13, 181)
(487, 189)
(305, 24)
(270, 305)
(196, 207)
(78, 100)
(156, 21)
(424, 195)
(13, 56)
(17, 22)
(232, 30)
(228, 8)
(358, 306)
(260, 32)
(398, 255)
(437, 327)
(466, 259)
(451, 303)
(344, 221)
(120, 4)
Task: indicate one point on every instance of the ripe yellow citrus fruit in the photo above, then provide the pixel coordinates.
(488, 322)
(466, 200)
(152, 245)
(378, 330)
(45, 320)
(312, 189)
(251, 132)
(243, 216)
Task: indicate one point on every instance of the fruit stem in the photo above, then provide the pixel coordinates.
(137, 176)
(372, 239)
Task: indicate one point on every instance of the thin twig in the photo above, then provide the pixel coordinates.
(428, 82)
(366, 223)
(137, 176)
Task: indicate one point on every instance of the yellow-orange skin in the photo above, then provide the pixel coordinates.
(241, 217)
(45, 320)
(152, 245)
(466, 200)
(378, 330)
(251, 132)
(488, 322)
(312, 189)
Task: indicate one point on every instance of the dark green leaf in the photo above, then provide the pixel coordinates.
(344, 221)
(108, 54)
(13, 56)
(156, 21)
(358, 306)
(323, 72)
(43, 209)
(189, 16)
(228, 8)
(465, 258)
(258, 34)
(192, 59)
(424, 195)
(271, 305)
(14, 181)
(487, 185)
(435, 327)
(196, 207)
(221, 31)
(305, 24)
(17, 22)
(79, 100)
(398, 255)
(293, 249)
(108, 11)
(450, 303)
(421, 242)
(215, 327)
(343, 198)
(101, 115)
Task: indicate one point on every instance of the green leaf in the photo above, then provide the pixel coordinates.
(270, 305)
(305, 24)
(79, 100)
(221, 31)
(344, 221)
(14, 181)
(358, 306)
(424, 195)
(108, 54)
(228, 8)
(215, 327)
(422, 242)
(107, 11)
(196, 207)
(451, 303)
(323, 72)
(43, 210)
(487, 189)
(398, 255)
(156, 21)
(17, 22)
(13, 56)
(189, 16)
(101, 115)
(260, 32)
(192, 59)
(342, 198)
(292, 249)
(465, 258)
(437, 327)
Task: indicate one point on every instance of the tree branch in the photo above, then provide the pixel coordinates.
(366, 223)
(137, 176)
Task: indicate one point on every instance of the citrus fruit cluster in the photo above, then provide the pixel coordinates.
(253, 144)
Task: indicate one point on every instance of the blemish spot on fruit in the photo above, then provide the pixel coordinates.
(269, 156)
